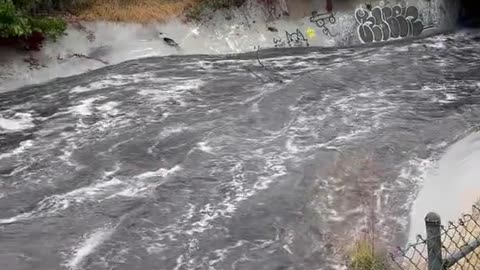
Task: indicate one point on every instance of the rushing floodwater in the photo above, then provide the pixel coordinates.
(215, 162)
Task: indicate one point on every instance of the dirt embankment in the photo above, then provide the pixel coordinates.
(146, 11)
(141, 11)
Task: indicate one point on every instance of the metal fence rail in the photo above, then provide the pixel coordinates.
(452, 247)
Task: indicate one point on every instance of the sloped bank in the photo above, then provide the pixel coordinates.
(91, 45)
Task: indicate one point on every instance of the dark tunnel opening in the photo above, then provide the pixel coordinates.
(470, 13)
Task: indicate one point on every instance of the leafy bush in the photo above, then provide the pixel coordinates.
(16, 22)
(12, 22)
(51, 27)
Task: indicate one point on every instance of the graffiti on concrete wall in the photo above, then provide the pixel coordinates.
(382, 23)
(295, 39)
(279, 43)
(321, 21)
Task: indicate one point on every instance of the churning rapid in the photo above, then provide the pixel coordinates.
(230, 162)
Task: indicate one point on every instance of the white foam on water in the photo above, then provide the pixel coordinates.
(90, 243)
(97, 86)
(238, 192)
(143, 183)
(174, 90)
(227, 206)
(20, 149)
(97, 191)
(85, 106)
(449, 97)
(179, 262)
(18, 122)
(188, 85)
(291, 147)
(109, 108)
(440, 44)
(172, 130)
(221, 254)
(264, 182)
(203, 146)
(451, 187)
(111, 81)
(67, 153)
(15, 218)
(60, 202)
(162, 172)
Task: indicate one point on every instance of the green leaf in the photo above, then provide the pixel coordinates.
(16, 20)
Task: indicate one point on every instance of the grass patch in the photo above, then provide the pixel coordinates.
(139, 11)
(364, 256)
(145, 11)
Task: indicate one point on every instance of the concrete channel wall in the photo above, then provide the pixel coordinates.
(367, 21)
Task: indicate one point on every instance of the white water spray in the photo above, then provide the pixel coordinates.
(452, 187)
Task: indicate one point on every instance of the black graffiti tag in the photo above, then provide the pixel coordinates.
(384, 23)
(279, 43)
(321, 21)
(295, 39)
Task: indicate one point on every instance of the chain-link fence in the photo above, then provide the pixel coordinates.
(454, 246)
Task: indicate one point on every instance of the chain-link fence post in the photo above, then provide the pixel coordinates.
(434, 241)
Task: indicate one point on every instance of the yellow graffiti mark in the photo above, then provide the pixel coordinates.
(311, 33)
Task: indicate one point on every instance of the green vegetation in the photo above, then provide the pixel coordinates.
(51, 27)
(20, 24)
(28, 23)
(365, 257)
